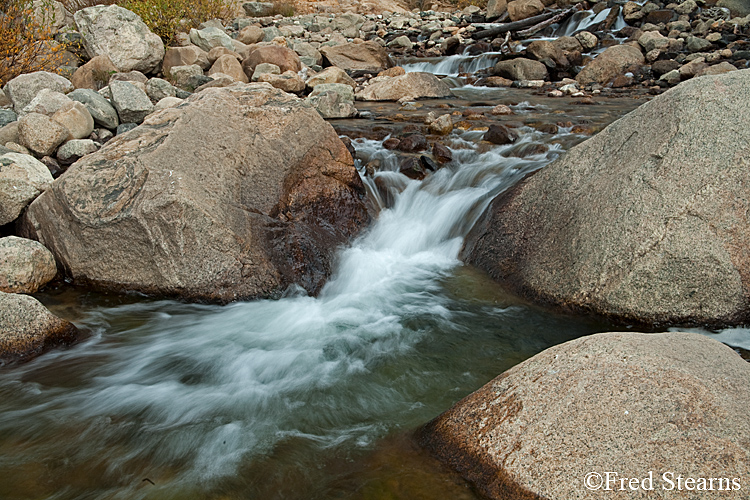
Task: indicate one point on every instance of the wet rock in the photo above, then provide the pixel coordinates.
(543, 49)
(286, 59)
(443, 125)
(412, 168)
(428, 163)
(411, 85)
(27, 328)
(259, 203)
(121, 35)
(441, 153)
(185, 56)
(391, 143)
(523, 9)
(132, 104)
(500, 134)
(616, 60)
(501, 109)
(659, 402)
(22, 89)
(40, 133)
(520, 69)
(366, 57)
(22, 178)
(25, 265)
(413, 143)
(672, 249)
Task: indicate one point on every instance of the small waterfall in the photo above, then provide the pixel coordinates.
(453, 65)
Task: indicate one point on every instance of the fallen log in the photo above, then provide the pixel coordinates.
(552, 20)
(514, 26)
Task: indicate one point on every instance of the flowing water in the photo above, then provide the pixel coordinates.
(298, 398)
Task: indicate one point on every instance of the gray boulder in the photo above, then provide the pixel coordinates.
(27, 328)
(258, 9)
(25, 265)
(208, 38)
(521, 69)
(366, 57)
(22, 178)
(646, 222)
(74, 150)
(46, 102)
(261, 201)
(639, 405)
(333, 100)
(100, 109)
(132, 104)
(22, 89)
(120, 34)
(412, 85)
(7, 116)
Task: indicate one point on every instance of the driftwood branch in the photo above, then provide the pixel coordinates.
(552, 20)
(514, 26)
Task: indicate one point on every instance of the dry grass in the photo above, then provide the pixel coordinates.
(26, 40)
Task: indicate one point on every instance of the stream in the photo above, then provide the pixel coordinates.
(302, 397)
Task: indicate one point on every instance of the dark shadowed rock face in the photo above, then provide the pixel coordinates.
(27, 328)
(623, 402)
(236, 193)
(646, 222)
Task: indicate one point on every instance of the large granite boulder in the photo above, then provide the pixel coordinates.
(120, 34)
(411, 85)
(283, 57)
(27, 328)
(614, 61)
(520, 68)
(646, 222)
(24, 88)
(645, 406)
(258, 203)
(355, 58)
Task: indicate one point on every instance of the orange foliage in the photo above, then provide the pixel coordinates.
(26, 40)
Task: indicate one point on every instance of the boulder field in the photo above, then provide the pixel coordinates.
(646, 222)
(626, 403)
(237, 193)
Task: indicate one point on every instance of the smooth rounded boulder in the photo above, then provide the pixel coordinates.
(411, 85)
(258, 203)
(354, 58)
(27, 328)
(22, 178)
(25, 265)
(644, 223)
(634, 405)
(614, 61)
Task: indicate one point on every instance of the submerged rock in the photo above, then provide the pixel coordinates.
(258, 203)
(645, 222)
(625, 402)
(27, 328)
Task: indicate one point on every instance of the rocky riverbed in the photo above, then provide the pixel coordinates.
(333, 163)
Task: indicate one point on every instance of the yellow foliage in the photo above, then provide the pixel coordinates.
(168, 17)
(26, 40)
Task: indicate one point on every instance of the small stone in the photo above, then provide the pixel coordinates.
(500, 134)
(413, 143)
(7, 116)
(74, 150)
(443, 125)
(157, 89)
(441, 153)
